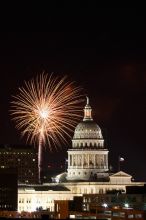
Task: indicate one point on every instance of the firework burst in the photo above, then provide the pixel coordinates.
(46, 109)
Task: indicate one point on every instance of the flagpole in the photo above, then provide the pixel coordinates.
(119, 163)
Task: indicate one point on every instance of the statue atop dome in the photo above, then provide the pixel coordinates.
(87, 100)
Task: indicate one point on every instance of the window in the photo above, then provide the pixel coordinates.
(28, 201)
(116, 214)
(122, 214)
(138, 215)
(21, 200)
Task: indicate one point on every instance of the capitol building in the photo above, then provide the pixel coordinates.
(87, 171)
(88, 158)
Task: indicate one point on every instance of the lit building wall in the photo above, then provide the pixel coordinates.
(30, 199)
(87, 164)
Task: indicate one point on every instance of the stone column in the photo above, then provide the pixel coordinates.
(88, 160)
(76, 160)
(82, 160)
(107, 161)
(71, 160)
(68, 160)
(104, 161)
(94, 160)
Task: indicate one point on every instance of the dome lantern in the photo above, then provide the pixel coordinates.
(87, 111)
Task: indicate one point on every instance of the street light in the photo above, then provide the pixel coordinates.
(105, 205)
(126, 205)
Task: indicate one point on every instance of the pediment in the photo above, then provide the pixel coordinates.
(120, 174)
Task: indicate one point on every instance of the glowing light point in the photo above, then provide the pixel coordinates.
(105, 205)
(44, 113)
(126, 205)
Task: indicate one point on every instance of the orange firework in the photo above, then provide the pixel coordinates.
(46, 110)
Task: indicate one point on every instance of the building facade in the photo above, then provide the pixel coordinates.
(8, 189)
(23, 159)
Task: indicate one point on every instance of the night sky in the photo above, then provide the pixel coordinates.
(105, 53)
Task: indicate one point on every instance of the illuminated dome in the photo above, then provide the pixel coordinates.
(87, 129)
(87, 133)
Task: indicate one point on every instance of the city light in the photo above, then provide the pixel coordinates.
(105, 205)
(126, 205)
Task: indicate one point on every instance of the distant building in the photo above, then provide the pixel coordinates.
(23, 159)
(8, 189)
(98, 207)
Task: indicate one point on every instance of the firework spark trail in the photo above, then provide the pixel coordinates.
(46, 110)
